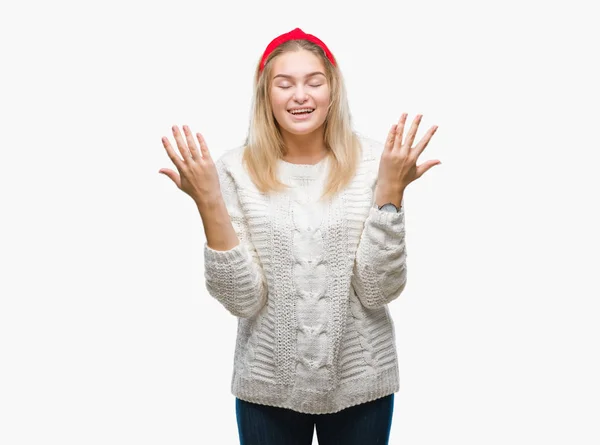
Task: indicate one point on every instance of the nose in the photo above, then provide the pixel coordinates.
(300, 95)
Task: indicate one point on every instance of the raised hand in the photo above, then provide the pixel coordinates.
(198, 175)
(398, 165)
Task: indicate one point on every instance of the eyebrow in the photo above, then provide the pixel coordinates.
(287, 76)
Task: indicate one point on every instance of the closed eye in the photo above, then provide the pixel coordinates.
(314, 86)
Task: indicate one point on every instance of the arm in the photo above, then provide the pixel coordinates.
(233, 272)
(379, 273)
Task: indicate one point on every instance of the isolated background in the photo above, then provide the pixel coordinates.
(107, 333)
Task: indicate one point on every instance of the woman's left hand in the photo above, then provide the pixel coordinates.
(398, 165)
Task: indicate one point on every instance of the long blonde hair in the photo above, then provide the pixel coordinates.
(264, 144)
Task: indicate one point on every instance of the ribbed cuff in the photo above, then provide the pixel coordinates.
(384, 218)
(235, 255)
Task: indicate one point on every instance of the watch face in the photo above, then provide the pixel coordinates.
(389, 208)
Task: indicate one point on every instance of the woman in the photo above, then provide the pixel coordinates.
(305, 245)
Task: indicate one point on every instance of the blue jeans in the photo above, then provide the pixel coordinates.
(365, 424)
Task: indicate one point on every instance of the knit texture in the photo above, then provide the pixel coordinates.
(310, 282)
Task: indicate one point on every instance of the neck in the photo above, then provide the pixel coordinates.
(304, 148)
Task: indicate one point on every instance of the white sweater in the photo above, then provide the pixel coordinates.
(310, 283)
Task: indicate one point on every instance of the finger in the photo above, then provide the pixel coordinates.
(424, 141)
(171, 174)
(421, 169)
(203, 146)
(172, 155)
(191, 143)
(389, 142)
(400, 131)
(412, 132)
(183, 149)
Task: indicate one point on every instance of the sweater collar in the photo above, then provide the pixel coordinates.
(314, 171)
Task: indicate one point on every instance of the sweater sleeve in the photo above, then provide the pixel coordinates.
(235, 277)
(379, 274)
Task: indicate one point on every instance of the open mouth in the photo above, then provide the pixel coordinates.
(301, 111)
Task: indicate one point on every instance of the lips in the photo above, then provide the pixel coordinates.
(307, 109)
(301, 116)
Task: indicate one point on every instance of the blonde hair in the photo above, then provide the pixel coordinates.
(264, 144)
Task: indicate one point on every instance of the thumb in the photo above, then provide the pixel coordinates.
(171, 174)
(421, 169)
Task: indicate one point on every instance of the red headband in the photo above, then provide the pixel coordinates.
(296, 34)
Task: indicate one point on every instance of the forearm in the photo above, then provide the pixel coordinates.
(232, 270)
(218, 228)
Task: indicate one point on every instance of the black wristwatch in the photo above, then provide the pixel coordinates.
(389, 207)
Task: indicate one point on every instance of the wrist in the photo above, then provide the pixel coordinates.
(209, 204)
(386, 194)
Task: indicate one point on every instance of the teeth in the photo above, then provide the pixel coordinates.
(304, 110)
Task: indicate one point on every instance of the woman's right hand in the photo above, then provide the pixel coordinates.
(198, 175)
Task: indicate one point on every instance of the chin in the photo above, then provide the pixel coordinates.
(301, 131)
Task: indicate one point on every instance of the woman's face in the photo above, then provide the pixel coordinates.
(298, 82)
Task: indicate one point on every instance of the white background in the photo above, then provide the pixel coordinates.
(107, 333)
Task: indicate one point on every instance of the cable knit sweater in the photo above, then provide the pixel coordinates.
(310, 282)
